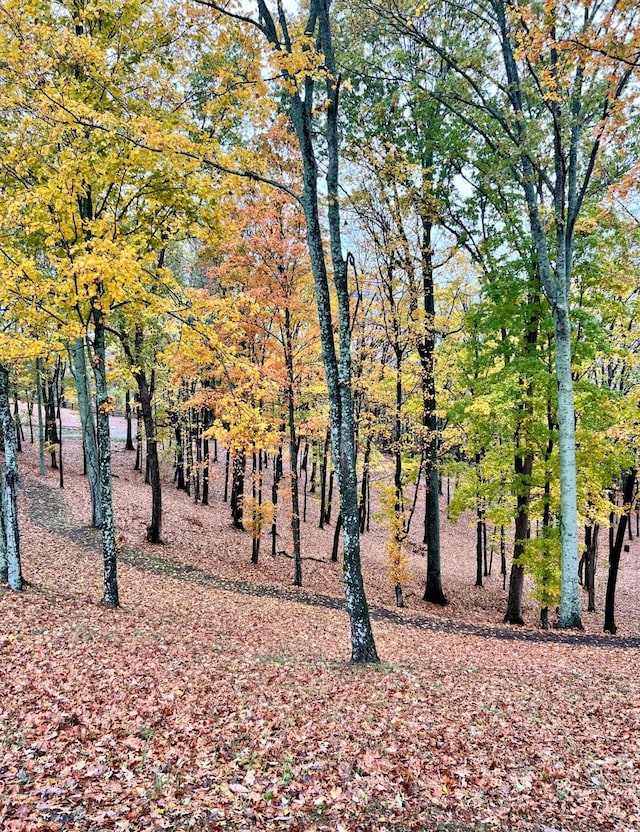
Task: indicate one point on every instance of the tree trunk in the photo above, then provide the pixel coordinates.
(145, 395)
(4, 567)
(616, 551)
(206, 424)
(138, 463)
(312, 485)
(237, 489)
(197, 440)
(275, 486)
(257, 531)
(433, 592)
(187, 438)
(323, 481)
(479, 522)
(305, 468)
(399, 596)
(18, 424)
(556, 281)
(327, 513)
(10, 488)
(570, 616)
(128, 446)
(88, 427)
(60, 369)
(591, 554)
(293, 451)
(30, 415)
(180, 477)
(364, 486)
(41, 426)
(225, 496)
(110, 596)
(51, 428)
(523, 468)
(336, 540)
(337, 365)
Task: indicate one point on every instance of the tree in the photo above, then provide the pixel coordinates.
(564, 78)
(302, 67)
(408, 159)
(265, 257)
(88, 212)
(10, 568)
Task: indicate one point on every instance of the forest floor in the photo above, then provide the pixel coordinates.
(221, 697)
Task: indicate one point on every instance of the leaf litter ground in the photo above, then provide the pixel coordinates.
(214, 699)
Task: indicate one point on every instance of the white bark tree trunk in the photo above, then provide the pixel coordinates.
(10, 487)
(569, 590)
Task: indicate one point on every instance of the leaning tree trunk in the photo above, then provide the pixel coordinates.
(10, 487)
(110, 596)
(87, 423)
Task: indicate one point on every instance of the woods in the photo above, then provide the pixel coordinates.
(170, 214)
(319, 414)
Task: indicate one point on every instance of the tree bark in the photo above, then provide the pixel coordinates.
(570, 614)
(614, 554)
(88, 427)
(237, 489)
(275, 486)
(129, 446)
(10, 488)
(523, 468)
(110, 596)
(337, 366)
(256, 534)
(4, 567)
(293, 451)
(591, 554)
(323, 481)
(433, 592)
(336, 540)
(338, 370)
(145, 394)
(206, 462)
(41, 426)
(364, 486)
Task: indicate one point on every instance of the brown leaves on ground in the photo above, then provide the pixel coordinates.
(196, 708)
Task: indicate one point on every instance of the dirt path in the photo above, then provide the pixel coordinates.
(48, 510)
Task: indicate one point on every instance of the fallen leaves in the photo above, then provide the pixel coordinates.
(196, 708)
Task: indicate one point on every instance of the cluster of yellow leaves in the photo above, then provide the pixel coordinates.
(398, 566)
(299, 63)
(257, 516)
